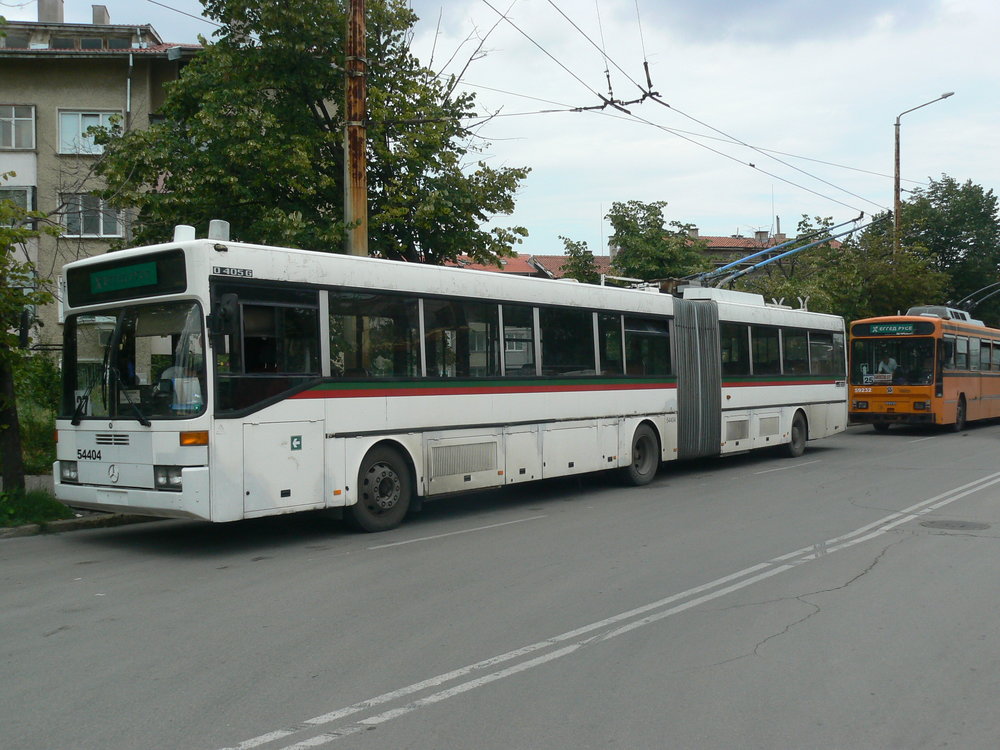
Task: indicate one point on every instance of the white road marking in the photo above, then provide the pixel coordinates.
(786, 468)
(920, 440)
(624, 622)
(455, 533)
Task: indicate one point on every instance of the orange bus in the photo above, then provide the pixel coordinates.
(934, 365)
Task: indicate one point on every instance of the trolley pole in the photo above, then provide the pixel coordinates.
(355, 161)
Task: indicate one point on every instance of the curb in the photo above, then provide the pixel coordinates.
(96, 521)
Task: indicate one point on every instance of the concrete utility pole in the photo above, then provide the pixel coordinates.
(897, 204)
(355, 161)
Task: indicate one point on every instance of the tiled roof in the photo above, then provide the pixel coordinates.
(518, 265)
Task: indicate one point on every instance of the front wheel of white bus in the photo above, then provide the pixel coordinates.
(385, 486)
(645, 457)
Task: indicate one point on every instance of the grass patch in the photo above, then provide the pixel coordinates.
(34, 506)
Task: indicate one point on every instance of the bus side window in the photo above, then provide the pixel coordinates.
(734, 342)
(948, 352)
(973, 354)
(519, 340)
(461, 338)
(826, 353)
(795, 352)
(647, 346)
(373, 335)
(961, 353)
(984, 356)
(567, 341)
(609, 343)
(765, 357)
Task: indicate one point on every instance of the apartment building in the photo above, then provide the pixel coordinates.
(57, 80)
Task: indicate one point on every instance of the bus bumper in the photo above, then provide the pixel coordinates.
(190, 502)
(867, 417)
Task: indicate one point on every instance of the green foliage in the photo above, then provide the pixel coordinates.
(19, 292)
(253, 133)
(957, 228)
(858, 278)
(34, 506)
(580, 263)
(38, 387)
(646, 249)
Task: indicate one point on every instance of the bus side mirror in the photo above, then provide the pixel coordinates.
(225, 315)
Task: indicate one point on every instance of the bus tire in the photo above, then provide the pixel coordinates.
(645, 457)
(881, 426)
(385, 488)
(960, 412)
(796, 444)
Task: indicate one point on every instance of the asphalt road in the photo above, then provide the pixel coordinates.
(845, 599)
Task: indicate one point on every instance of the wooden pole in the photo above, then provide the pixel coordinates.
(355, 161)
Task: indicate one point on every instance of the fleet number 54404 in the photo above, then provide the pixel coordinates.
(89, 455)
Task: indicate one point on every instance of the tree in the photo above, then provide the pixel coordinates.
(580, 264)
(252, 132)
(18, 293)
(801, 276)
(858, 278)
(959, 226)
(646, 249)
(866, 278)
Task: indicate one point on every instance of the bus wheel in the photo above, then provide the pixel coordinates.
(796, 446)
(881, 426)
(645, 457)
(959, 415)
(384, 491)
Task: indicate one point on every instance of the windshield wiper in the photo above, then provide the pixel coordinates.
(81, 405)
(124, 391)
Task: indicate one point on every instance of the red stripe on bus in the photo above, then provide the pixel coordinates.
(475, 390)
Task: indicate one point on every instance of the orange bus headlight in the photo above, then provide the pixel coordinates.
(921, 405)
(859, 404)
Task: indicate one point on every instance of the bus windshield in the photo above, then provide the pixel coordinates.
(892, 361)
(141, 362)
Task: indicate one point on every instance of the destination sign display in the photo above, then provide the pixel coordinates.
(159, 273)
(895, 328)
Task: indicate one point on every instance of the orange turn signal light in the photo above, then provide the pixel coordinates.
(194, 437)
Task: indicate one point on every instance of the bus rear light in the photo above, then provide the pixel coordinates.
(859, 404)
(195, 437)
(68, 471)
(167, 477)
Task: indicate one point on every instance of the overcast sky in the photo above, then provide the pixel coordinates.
(815, 87)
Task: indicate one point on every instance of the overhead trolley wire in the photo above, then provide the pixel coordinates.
(655, 96)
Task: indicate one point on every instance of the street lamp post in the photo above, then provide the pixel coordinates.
(896, 204)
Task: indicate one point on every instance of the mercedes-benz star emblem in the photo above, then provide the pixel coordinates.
(113, 474)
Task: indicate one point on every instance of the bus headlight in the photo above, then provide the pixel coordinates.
(859, 404)
(68, 471)
(921, 405)
(167, 477)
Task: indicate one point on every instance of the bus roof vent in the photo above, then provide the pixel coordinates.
(945, 313)
(183, 233)
(218, 230)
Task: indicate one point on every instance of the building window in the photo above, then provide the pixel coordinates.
(17, 126)
(19, 196)
(88, 216)
(73, 137)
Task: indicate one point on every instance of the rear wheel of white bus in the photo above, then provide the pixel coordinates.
(385, 487)
(645, 457)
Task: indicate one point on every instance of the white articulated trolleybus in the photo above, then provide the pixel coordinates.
(218, 380)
